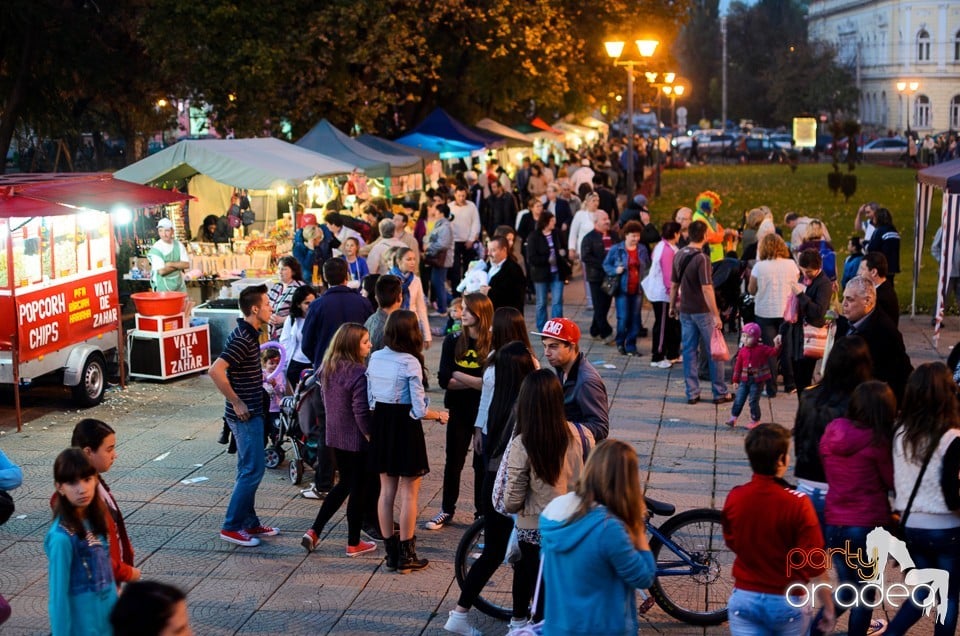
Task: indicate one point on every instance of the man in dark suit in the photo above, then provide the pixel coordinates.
(873, 267)
(507, 283)
(502, 207)
(861, 317)
(608, 200)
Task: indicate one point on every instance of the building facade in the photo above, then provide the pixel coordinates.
(905, 55)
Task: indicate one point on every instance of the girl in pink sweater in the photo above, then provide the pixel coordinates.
(750, 372)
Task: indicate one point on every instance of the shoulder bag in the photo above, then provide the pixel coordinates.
(611, 285)
(6, 506)
(437, 259)
(899, 527)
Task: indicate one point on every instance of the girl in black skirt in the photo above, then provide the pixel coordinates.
(396, 395)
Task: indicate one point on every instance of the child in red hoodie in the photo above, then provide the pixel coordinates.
(750, 372)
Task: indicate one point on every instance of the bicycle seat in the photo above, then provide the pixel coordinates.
(659, 507)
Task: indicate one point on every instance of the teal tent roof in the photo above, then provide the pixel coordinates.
(326, 139)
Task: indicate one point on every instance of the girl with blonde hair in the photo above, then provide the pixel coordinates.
(595, 549)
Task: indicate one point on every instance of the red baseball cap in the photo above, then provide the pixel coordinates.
(308, 219)
(560, 329)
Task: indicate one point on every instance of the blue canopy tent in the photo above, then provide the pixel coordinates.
(388, 147)
(443, 134)
(326, 139)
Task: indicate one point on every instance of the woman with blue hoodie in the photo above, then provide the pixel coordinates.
(594, 547)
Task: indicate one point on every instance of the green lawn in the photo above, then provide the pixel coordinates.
(742, 187)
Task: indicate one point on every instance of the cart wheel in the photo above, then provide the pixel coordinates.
(273, 456)
(296, 471)
(93, 382)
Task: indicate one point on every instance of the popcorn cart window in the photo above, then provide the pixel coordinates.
(31, 262)
(4, 234)
(97, 248)
(64, 245)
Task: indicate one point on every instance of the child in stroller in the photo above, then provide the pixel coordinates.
(293, 429)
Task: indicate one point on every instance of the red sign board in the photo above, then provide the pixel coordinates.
(186, 351)
(54, 317)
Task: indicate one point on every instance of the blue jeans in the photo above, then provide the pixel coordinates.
(752, 388)
(438, 281)
(851, 539)
(759, 614)
(555, 288)
(695, 328)
(628, 320)
(250, 466)
(818, 497)
(938, 549)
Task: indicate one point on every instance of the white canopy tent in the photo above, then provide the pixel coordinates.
(946, 177)
(216, 167)
(512, 138)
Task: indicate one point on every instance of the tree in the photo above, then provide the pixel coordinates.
(697, 50)
(806, 78)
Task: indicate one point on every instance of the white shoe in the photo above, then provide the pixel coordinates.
(312, 493)
(664, 364)
(459, 623)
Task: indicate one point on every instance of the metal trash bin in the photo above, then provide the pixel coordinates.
(221, 314)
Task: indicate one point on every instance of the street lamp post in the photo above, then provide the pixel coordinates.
(908, 88)
(662, 87)
(615, 50)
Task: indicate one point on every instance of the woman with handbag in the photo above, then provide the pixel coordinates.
(665, 348)
(859, 468)
(773, 281)
(510, 364)
(628, 260)
(543, 461)
(547, 267)
(438, 252)
(806, 337)
(926, 463)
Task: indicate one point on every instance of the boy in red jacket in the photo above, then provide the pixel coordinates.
(751, 372)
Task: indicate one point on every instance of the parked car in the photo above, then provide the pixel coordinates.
(885, 149)
(784, 141)
(755, 149)
(709, 143)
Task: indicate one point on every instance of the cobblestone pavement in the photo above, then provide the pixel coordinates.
(167, 434)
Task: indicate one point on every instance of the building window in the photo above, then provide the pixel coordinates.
(956, 47)
(921, 112)
(923, 46)
(883, 109)
(955, 112)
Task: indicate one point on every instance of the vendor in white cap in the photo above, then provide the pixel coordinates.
(168, 260)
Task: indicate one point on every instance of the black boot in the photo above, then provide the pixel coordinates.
(392, 548)
(408, 557)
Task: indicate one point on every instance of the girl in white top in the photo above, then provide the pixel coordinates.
(773, 280)
(292, 333)
(405, 268)
(929, 427)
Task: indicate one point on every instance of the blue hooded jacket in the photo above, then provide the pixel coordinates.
(590, 571)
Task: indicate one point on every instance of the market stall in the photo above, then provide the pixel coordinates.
(212, 171)
(59, 303)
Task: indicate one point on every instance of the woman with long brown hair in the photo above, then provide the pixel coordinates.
(460, 372)
(395, 393)
(926, 460)
(544, 460)
(595, 549)
(343, 385)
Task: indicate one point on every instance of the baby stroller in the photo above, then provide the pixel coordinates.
(290, 435)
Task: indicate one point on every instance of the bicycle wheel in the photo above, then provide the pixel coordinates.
(496, 599)
(695, 598)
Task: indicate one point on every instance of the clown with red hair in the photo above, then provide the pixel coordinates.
(706, 205)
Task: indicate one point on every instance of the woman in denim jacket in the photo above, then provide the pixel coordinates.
(629, 260)
(82, 589)
(399, 403)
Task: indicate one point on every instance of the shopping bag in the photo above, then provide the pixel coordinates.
(718, 346)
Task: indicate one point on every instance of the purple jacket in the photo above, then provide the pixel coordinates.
(860, 474)
(348, 412)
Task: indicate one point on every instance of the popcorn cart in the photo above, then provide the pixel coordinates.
(59, 303)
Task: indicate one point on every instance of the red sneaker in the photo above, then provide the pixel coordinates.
(310, 540)
(263, 531)
(361, 548)
(240, 537)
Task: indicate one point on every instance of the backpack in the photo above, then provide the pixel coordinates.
(829, 258)
(364, 229)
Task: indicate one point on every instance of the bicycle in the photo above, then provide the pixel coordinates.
(693, 580)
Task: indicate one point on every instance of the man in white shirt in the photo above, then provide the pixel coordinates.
(400, 221)
(466, 231)
(583, 175)
(335, 224)
(863, 222)
(168, 260)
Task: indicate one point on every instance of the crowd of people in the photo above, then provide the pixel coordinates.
(352, 309)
